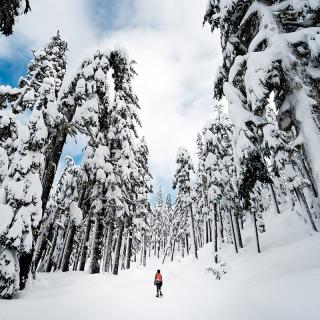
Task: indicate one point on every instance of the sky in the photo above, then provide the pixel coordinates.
(176, 60)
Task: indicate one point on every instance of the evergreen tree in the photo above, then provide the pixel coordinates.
(63, 214)
(143, 205)
(269, 47)
(158, 215)
(219, 170)
(289, 168)
(40, 90)
(90, 118)
(124, 120)
(201, 188)
(21, 201)
(182, 183)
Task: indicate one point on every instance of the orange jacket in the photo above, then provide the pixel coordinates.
(158, 277)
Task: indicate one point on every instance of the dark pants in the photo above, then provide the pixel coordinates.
(159, 285)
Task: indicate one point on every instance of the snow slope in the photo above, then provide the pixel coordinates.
(281, 283)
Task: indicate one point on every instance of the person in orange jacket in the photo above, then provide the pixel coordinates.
(158, 283)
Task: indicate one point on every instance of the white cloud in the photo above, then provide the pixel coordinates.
(176, 57)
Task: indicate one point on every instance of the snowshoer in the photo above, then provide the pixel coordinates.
(158, 283)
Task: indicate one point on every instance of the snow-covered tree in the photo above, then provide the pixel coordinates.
(91, 120)
(269, 47)
(168, 217)
(201, 189)
(64, 213)
(290, 172)
(111, 156)
(158, 223)
(124, 121)
(219, 175)
(8, 134)
(182, 183)
(21, 193)
(143, 206)
(40, 90)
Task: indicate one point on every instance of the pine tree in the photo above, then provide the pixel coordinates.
(8, 136)
(269, 47)
(288, 167)
(219, 171)
(64, 213)
(182, 183)
(40, 90)
(22, 192)
(90, 118)
(124, 120)
(201, 188)
(111, 154)
(158, 215)
(143, 205)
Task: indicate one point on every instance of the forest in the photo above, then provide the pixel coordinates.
(258, 154)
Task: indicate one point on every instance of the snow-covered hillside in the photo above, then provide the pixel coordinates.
(279, 284)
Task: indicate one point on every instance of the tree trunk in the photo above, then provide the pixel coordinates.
(123, 251)
(144, 251)
(97, 246)
(40, 252)
(68, 248)
(302, 199)
(215, 225)
(155, 245)
(304, 170)
(207, 230)
(53, 155)
(256, 230)
(85, 245)
(193, 233)
(173, 247)
(187, 243)
(309, 176)
(77, 256)
(274, 198)
(41, 261)
(238, 232)
(41, 242)
(65, 238)
(221, 226)
(54, 242)
(158, 248)
(118, 248)
(107, 266)
(200, 239)
(25, 261)
(182, 247)
(233, 233)
(129, 248)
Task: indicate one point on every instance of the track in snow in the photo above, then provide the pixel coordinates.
(131, 295)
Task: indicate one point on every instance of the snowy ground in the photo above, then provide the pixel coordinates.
(281, 283)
